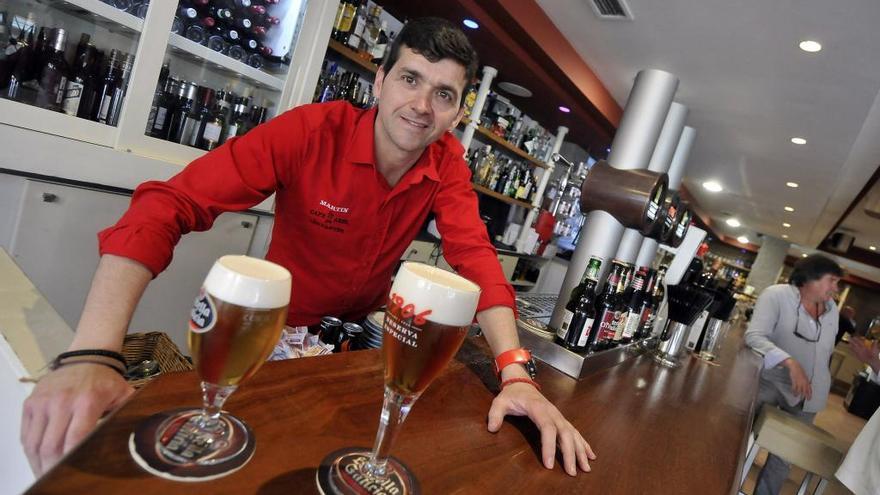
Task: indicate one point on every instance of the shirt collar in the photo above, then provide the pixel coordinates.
(361, 149)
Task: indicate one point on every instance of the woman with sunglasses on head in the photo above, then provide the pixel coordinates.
(793, 327)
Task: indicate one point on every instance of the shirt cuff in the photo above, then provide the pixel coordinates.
(774, 357)
(498, 295)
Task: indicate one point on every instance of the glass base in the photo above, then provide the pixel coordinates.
(343, 472)
(665, 360)
(183, 446)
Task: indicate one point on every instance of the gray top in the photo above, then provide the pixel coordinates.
(778, 313)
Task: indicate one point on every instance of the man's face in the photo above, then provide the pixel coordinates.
(418, 101)
(825, 288)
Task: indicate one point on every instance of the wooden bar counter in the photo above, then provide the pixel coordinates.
(655, 430)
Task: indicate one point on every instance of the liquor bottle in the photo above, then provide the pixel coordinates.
(187, 14)
(635, 294)
(574, 332)
(370, 36)
(15, 89)
(160, 111)
(237, 122)
(186, 94)
(486, 165)
(53, 76)
(106, 85)
(646, 302)
(358, 25)
(213, 128)
(201, 113)
(74, 91)
(602, 332)
(378, 51)
(198, 30)
(120, 90)
(221, 14)
(40, 54)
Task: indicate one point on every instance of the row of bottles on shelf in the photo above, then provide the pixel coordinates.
(501, 174)
(506, 121)
(34, 69)
(137, 8)
(624, 312)
(336, 83)
(358, 25)
(235, 28)
(186, 113)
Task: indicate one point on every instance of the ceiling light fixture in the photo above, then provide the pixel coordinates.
(798, 140)
(804, 255)
(788, 209)
(872, 248)
(743, 239)
(792, 184)
(785, 236)
(712, 186)
(786, 224)
(470, 23)
(733, 222)
(564, 109)
(810, 46)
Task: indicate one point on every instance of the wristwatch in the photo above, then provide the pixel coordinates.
(516, 356)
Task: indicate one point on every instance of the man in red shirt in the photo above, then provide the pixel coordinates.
(352, 188)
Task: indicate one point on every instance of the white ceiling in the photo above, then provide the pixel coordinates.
(749, 89)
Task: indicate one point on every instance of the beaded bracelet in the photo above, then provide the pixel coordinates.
(521, 380)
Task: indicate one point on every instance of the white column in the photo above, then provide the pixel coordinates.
(489, 74)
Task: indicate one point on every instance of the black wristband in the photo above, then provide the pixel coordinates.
(56, 365)
(92, 352)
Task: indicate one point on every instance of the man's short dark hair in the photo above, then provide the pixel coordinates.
(813, 267)
(435, 39)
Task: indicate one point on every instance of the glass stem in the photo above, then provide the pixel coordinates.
(395, 408)
(213, 398)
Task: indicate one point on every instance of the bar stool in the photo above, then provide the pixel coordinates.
(803, 445)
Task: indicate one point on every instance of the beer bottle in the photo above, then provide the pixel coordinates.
(645, 305)
(620, 312)
(591, 273)
(656, 300)
(580, 313)
(602, 332)
(634, 296)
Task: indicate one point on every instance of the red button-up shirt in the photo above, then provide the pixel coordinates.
(339, 227)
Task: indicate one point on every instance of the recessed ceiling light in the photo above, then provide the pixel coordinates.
(785, 236)
(798, 140)
(788, 208)
(733, 222)
(872, 248)
(712, 186)
(564, 109)
(804, 255)
(786, 224)
(810, 46)
(791, 184)
(470, 23)
(743, 239)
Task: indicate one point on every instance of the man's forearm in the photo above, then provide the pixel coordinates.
(116, 289)
(499, 327)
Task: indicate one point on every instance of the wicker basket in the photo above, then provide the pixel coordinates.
(157, 346)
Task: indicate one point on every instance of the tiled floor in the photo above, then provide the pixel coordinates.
(833, 419)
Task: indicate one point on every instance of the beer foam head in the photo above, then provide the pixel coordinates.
(249, 282)
(451, 298)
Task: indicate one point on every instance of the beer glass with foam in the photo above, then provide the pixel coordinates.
(428, 315)
(234, 324)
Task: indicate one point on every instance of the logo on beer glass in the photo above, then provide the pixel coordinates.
(402, 320)
(204, 313)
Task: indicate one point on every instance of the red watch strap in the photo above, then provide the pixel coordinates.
(512, 356)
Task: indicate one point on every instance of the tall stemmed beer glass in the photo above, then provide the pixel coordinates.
(234, 324)
(428, 316)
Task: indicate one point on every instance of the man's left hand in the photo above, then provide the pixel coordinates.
(522, 399)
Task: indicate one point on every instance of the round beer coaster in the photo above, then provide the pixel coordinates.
(340, 473)
(167, 457)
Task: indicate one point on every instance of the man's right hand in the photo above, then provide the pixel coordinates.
(800, 383)
(64, 407)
